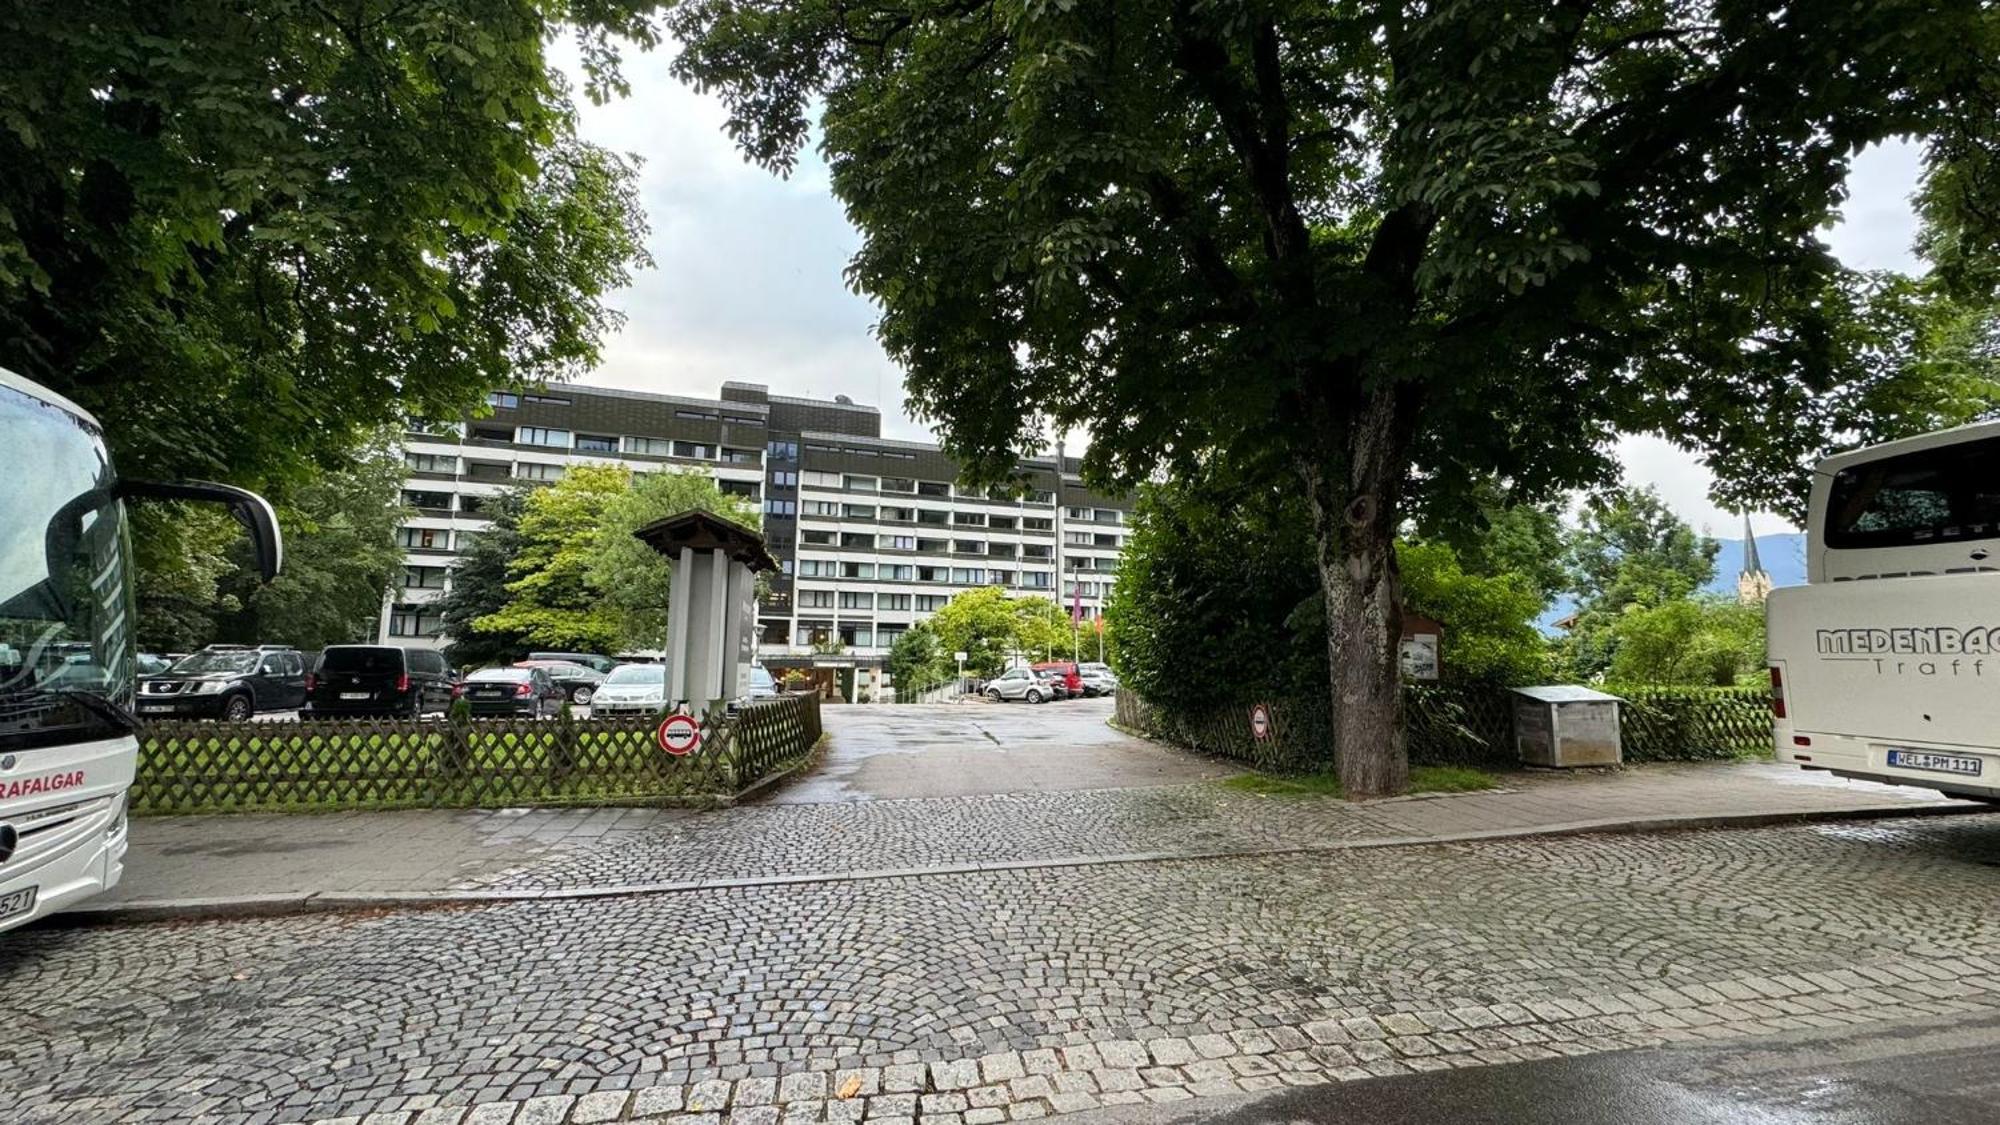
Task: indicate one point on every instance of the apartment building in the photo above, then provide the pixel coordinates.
(871, 534)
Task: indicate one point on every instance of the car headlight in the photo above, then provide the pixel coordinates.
(210, 687)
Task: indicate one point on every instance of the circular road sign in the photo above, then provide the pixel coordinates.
(1260, 722)
(680, 735)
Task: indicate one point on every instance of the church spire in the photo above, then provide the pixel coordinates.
(1752, 583)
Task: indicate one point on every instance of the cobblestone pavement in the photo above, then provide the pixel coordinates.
(986, 996)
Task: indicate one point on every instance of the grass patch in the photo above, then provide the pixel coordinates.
(1423, 779)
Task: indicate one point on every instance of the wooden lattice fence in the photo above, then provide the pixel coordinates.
(1465, 724)
(193, 766)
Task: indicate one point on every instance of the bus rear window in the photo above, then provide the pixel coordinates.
(1946, 495)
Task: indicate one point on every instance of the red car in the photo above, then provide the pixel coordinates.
(1065, 673)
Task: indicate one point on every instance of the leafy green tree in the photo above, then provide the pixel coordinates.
(479, 586)
(918, 661)
(985, 624)
(1704, 641)
(1489, 620)
(1378, 251)
(1495, 534)
(181, 556)
(550, 601)
(247, 234)
(1629, 551)
(1042, 629)
(341, 556)
(633, 581)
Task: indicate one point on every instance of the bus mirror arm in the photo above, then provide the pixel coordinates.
(249, 509)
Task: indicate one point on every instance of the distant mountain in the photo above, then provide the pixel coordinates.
(1784, 556)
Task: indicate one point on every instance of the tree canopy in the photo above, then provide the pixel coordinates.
(479, 586)
(246, 234)
(1382, 250)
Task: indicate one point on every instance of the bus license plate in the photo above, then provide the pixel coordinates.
(353, 695)
(16, 903)
(1961, 764)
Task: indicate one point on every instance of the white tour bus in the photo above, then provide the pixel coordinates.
(67, 664)
(1886, 664)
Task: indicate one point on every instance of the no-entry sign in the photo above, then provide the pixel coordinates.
(680, 735)
(1260, 722)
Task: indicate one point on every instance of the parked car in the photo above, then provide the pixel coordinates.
(595, 661)
(378, 680)
(762, 684)
(1020, 683)
(521, 690)
(227, 682)
(1098, 679)
(1065, 673)
(151, 665)
(631, 689)
(578, 681)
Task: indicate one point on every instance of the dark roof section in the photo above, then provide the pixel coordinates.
(706, 531)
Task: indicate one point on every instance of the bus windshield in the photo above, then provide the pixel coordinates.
(66, 649)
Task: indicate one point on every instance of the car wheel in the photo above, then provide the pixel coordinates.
(994, 695)
(580, 695)
(1034, 695)
(238, 708)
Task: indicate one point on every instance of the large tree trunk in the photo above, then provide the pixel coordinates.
(1354, 510)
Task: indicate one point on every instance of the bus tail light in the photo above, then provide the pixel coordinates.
(1777, 692)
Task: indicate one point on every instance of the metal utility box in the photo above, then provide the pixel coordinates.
(1567, 726)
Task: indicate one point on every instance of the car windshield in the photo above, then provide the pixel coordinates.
(362, 660)
(66, 649)
(501, 675)
(651, 675)
(210, 663)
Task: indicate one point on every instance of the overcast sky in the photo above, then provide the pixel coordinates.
(748, 281)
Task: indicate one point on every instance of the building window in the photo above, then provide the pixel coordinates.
(968, 547)
(424, 577)
(900, 542)
(786, 479)
(535, 470)
(857, 635)
(933, 574)
(423, 538)
(782, 450)
(933, 518)
(538, 435)
(430, 463)
(858, 511)
(1080, 538)
(896, 572)
(491, 433)
(695, 415)
(649, 446)
(743, 420)
(504, 400)
(741, 456)
(774, 507)
(898, 484)
(1003, 523)
(1037, 551)
(415, 621)
(853, 540)
(545, 400)
(932, 546)
(899, 515)
(809, 536)
(930, 603)
(856, 599)
(472, 505)
(695, 450)
(596, 443)
(852, 451)
(819, 508)
(899, 602)
(1000, 550)
(859, 484)
(1035, 579)
(1037, 523)
(857, 570)
(815, 568)
(815, 479)
(932, 488)
(965, 576)
(899, 454)
(816, 599)
(1039, 496)
(416, 499)
(969, 519)
(999, 578)
(784, 566)
(738, 488)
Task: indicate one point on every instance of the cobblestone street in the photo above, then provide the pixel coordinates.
(982, 996)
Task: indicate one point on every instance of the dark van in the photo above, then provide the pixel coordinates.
(378, 680)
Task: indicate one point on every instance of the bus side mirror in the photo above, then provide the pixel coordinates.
(251, 510)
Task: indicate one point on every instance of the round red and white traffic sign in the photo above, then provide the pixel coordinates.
(680, 735)
(1260, 722)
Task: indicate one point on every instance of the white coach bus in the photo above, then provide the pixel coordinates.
(1886, 664)
(67, 734)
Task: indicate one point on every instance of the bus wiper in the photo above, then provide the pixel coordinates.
(125, 722)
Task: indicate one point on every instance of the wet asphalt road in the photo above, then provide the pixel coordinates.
(1905, 1073)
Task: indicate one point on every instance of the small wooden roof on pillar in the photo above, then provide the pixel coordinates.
(706, 531)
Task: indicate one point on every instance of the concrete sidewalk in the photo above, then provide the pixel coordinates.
(251, 864)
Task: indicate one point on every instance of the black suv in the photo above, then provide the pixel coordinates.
(227, 682)
(378, 680)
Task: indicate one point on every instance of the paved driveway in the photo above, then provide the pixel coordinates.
(970, 749)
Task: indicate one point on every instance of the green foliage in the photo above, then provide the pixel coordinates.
(196, 578)
(1494, 534)
(1423, 779)
(633, 581)
(984, 624)
(1043, 630)
(247, 234)
(1629, 551)
(1381, 254)
(917, 661)
(1697, 641)
(1489, 621)
(479, 587)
